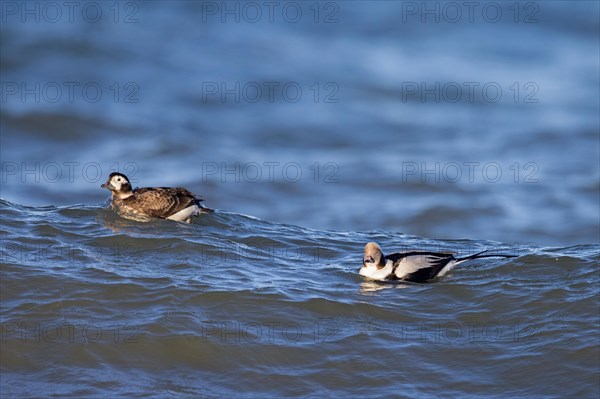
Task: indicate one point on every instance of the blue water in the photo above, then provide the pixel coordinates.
(312, 131)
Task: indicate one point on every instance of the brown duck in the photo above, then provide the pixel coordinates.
(145, 203)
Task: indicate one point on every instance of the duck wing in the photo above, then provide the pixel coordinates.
(161, 202)
(419, 266)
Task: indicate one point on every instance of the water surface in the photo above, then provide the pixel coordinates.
(382, 125)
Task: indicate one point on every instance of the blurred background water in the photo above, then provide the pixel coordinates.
(313, 127)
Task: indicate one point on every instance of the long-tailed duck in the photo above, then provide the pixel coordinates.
(143, 204)
(415, 266)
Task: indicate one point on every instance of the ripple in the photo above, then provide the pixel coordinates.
(232, 296)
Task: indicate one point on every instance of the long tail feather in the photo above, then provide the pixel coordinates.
(479, 255)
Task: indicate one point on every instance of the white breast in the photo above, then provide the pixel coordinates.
(374, 273)
(186, 213)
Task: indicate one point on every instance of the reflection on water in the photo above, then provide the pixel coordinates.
(368, 287)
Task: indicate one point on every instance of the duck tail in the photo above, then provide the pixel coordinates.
(204, 209)
(479, 255)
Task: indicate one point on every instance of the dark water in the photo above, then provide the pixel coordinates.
(331, 124)
(233, 305)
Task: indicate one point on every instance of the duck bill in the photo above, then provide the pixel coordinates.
(107, 185)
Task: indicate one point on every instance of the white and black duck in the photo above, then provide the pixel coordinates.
(414, 266)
